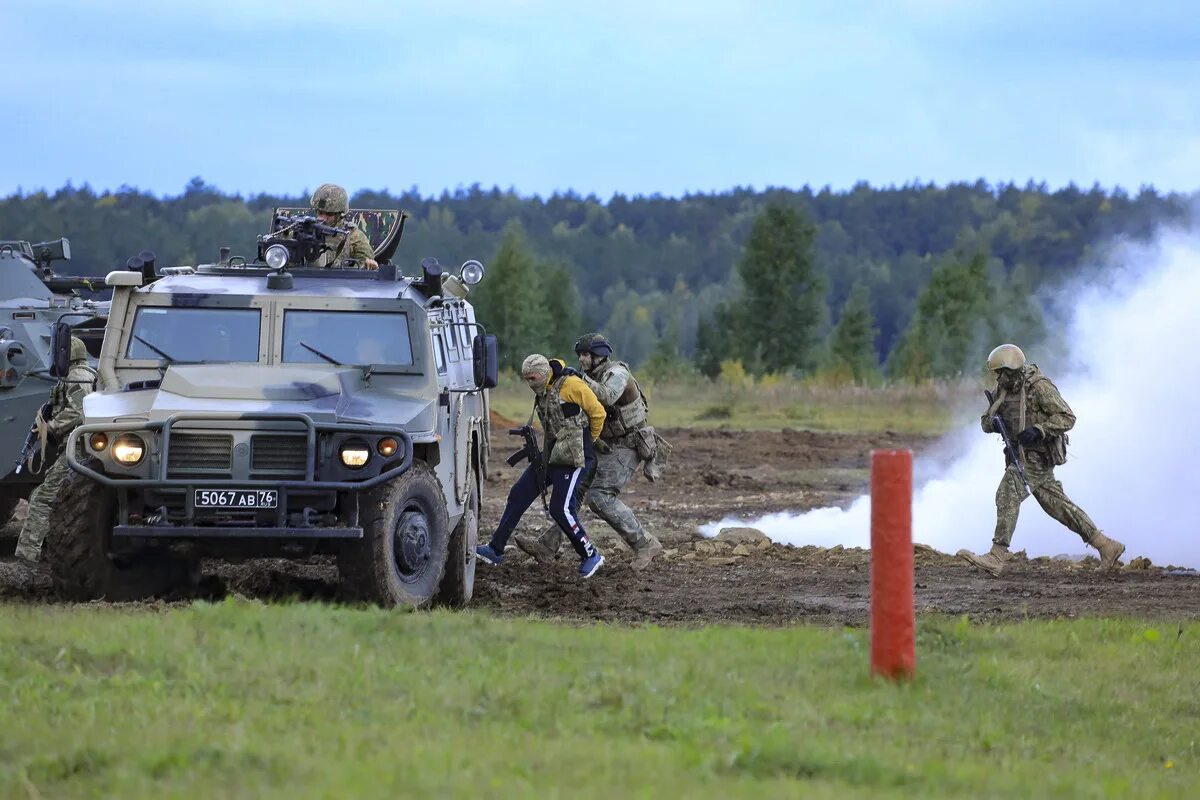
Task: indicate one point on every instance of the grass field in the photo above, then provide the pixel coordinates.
(244, 700)
(783, 403)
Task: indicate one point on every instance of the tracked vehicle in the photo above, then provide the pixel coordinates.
(254, 408)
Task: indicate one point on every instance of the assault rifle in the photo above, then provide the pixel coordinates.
(999, 427)
(533, 452)
(304, 237)
(31, 441)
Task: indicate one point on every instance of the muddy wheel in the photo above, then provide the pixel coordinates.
(402, 555)
(458, 584)
(78, 550)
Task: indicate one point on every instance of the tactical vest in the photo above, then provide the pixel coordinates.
(564, 435)
(630, 411)
(80, 374)
(1017, 418)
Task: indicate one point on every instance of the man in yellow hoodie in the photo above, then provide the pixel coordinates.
(572, 419)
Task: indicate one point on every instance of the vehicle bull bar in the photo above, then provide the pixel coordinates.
(308, 484)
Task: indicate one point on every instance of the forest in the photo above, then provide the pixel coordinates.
(869, 283)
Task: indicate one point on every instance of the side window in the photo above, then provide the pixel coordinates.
(439, 353)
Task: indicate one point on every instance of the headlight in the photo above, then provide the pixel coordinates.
(387, 447)
(276, 256)
(471, 272)
(98, 441)
(128, 449)
(354, 454)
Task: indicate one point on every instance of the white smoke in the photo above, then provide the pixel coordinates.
(1131, 379)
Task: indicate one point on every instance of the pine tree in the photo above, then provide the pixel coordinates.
(562, 304)
(782, 306)
(852, 345)
(952, 323)
(512, 301)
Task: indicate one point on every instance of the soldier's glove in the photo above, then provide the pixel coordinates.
(1029, 436)
(602, 446)
(572, 371)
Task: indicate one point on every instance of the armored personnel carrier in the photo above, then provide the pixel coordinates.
(247, 409)
(32, 299)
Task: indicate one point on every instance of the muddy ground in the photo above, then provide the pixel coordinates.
(714, 474)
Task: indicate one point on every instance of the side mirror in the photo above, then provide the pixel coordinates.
(486, 355)
(60, 350)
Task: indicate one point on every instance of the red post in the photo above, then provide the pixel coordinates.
(893, 641)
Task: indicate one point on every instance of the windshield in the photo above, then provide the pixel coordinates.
(346, 337)
(195, 335)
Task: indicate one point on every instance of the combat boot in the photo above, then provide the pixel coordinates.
(536, 547)
(1110, 550)
(1001, 552)
(645, 550)
(989, 562)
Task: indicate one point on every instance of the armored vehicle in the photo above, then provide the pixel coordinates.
(32, 299)
(245, 410)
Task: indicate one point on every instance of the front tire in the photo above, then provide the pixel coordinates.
(458, 584)
(402, 555)
(78, 550)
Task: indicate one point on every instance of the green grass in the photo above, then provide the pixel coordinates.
(244, 700)
(775, 403)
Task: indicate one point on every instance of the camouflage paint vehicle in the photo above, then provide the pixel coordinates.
(32, 299)
(245, 411)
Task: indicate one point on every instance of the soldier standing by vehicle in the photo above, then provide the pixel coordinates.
(65, 412)
(571, 418)
(625, 441)
(331, 202)
(1034, 420)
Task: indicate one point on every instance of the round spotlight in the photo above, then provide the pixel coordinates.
(387, 447)
(276, 256)
(98, 441)
(354, 454)
(128, 449)
(471, 272)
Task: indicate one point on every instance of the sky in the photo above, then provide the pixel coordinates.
(600, 98)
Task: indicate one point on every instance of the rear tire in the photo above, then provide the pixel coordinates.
(78, 550)
(458, 584)
(402, 555)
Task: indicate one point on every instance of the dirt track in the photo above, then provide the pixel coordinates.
(715, 473)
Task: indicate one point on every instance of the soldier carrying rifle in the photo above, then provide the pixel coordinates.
(1033, 419)
(572, 418)
(54, 423)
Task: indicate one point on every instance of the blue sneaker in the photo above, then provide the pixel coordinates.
(588, 567)
(488, 555)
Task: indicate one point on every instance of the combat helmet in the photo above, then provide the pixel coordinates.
(594, 343)
(1006, 356)
(78, 350)
(330, 198)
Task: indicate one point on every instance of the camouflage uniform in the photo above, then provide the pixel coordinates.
(1049, 413)
(618, 391)
(356, 247)
(66, 412)
(1037, 420)
(329, 198)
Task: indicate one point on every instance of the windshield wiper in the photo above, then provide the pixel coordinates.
(328, 358)
(155, 349)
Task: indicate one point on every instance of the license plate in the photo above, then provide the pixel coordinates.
(236, 498)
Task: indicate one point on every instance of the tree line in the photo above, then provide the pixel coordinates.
(910, 281)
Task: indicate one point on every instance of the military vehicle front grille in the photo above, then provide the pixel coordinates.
(279, 455)
(199, 454)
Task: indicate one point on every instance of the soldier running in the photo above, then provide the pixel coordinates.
(66, 412)
(571, 418)
(624, 439)
(1034, 412)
